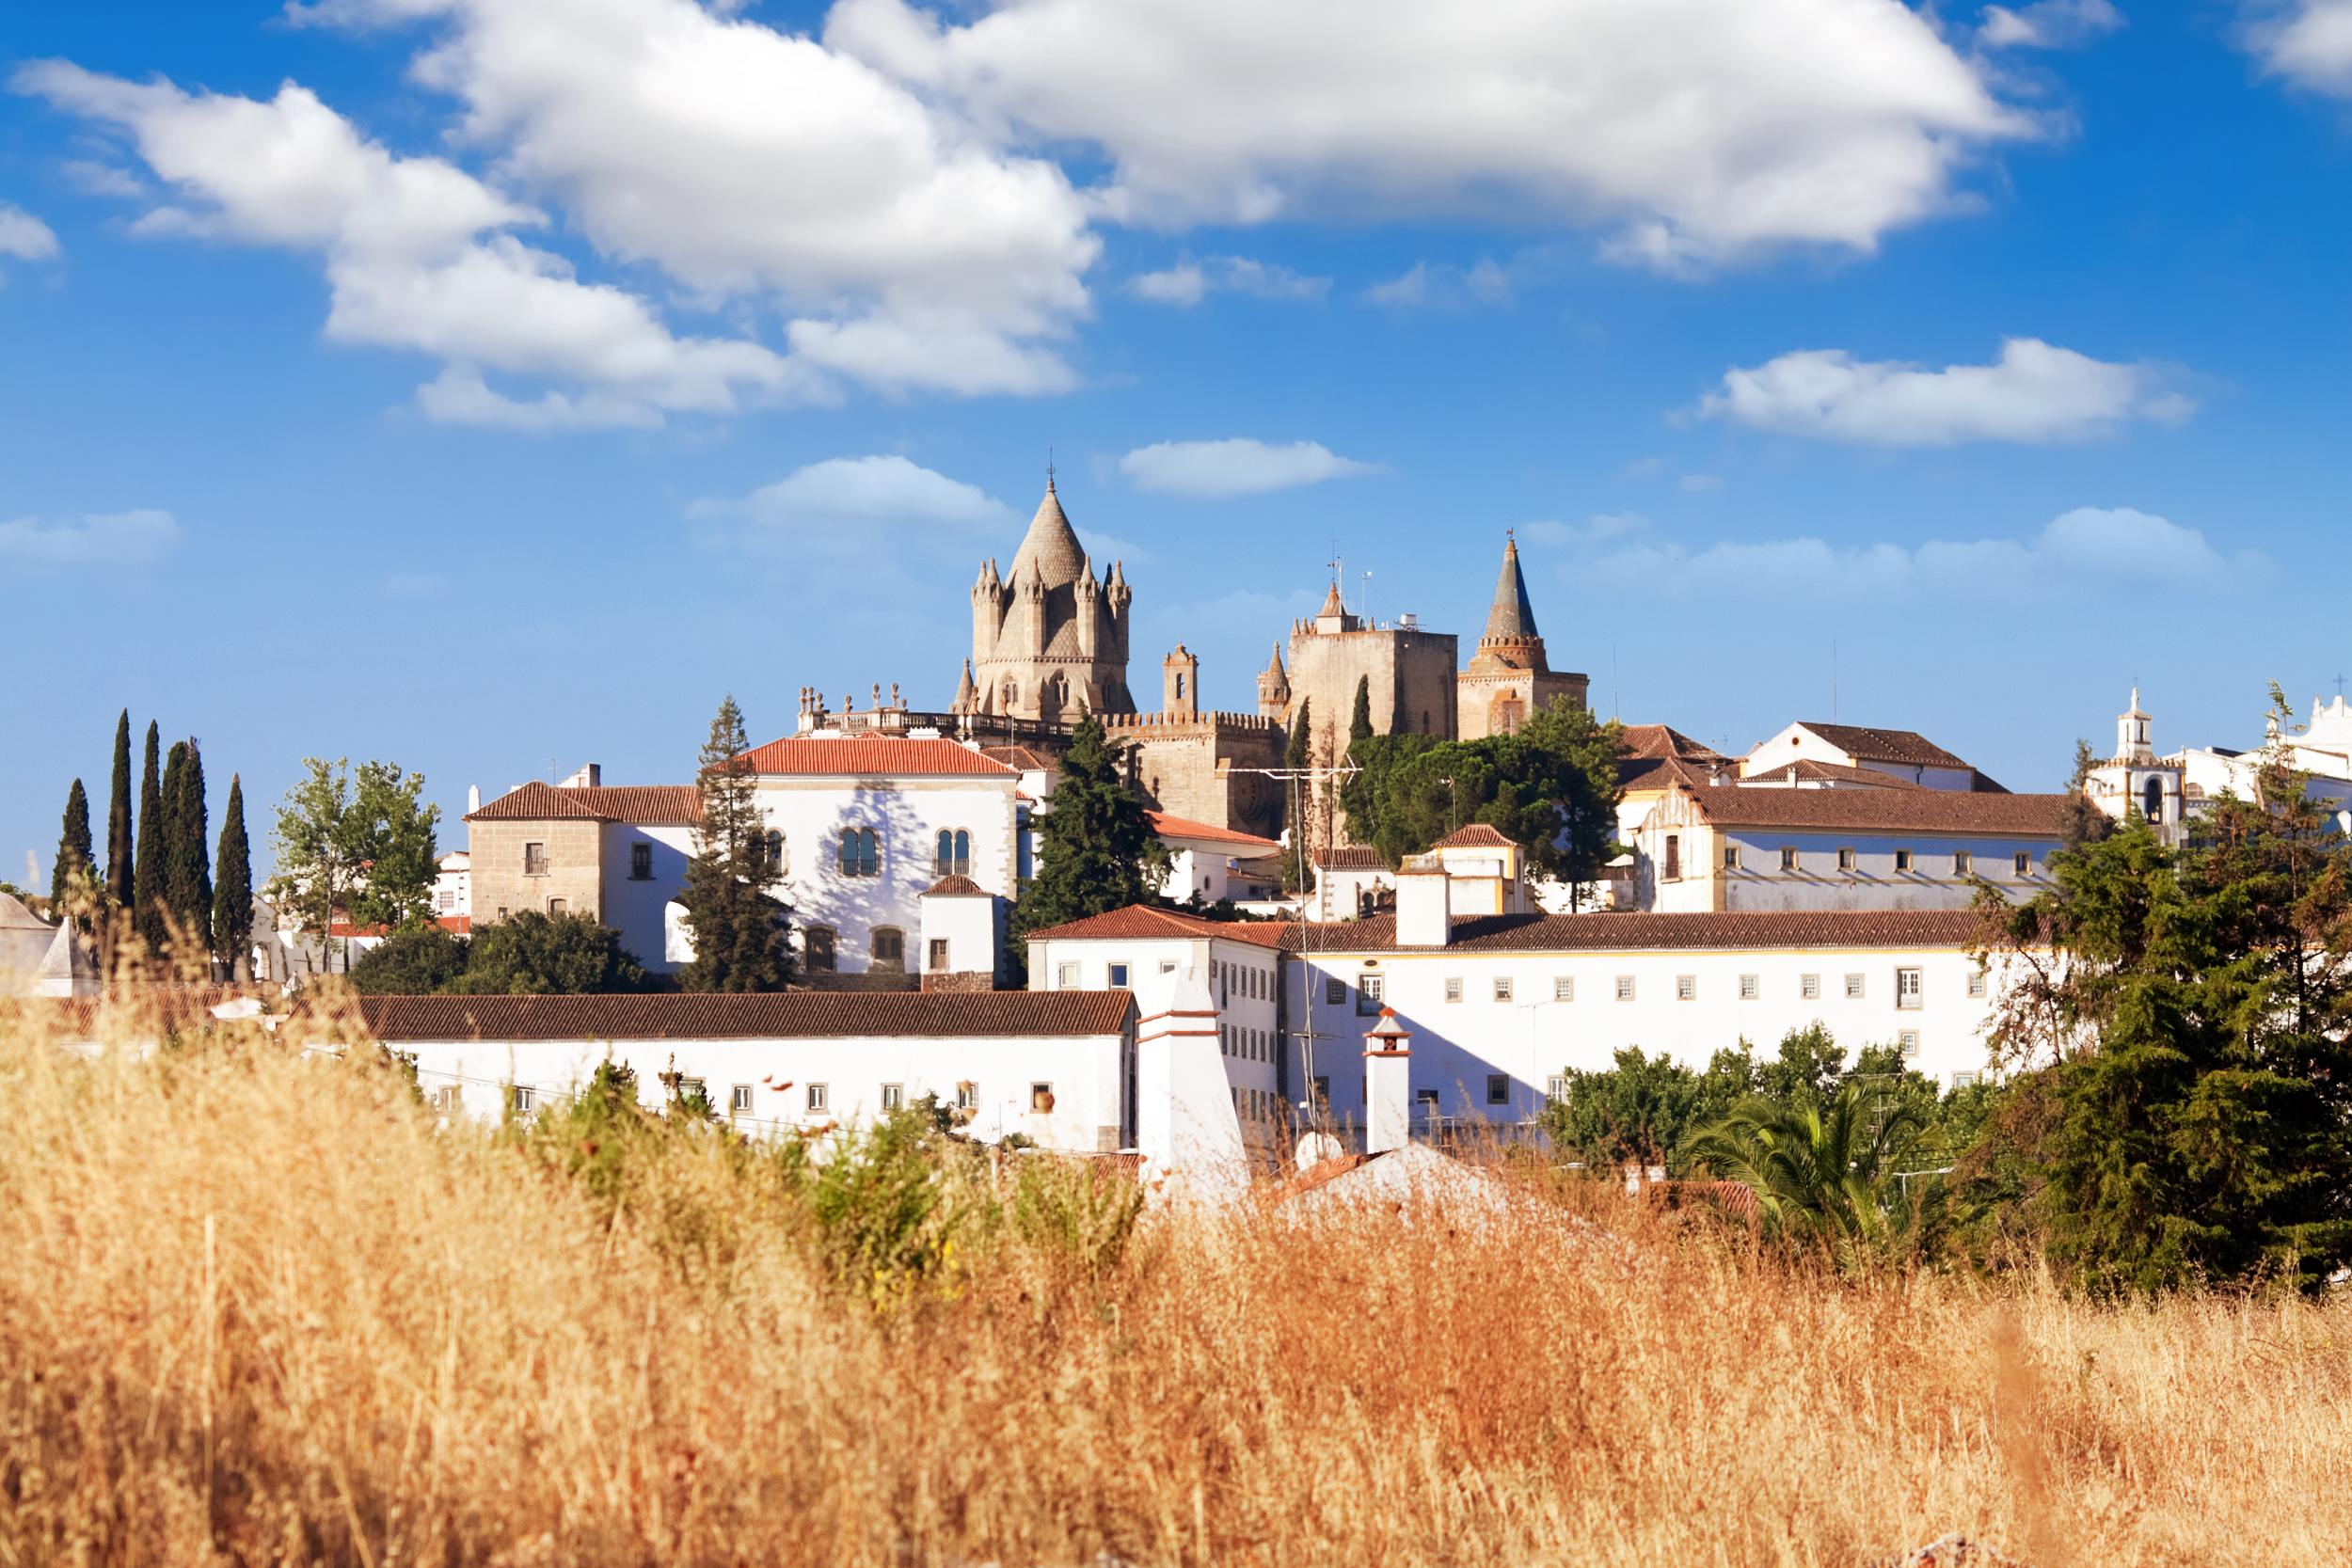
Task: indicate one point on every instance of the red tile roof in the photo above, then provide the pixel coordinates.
(461, 924)
(1658, 741)
(871, 756)
(791, 1015)
(1627, 931)
(952, 886)
(1179, 826)
(666, 805)
(1866, 744)
(1027, 759)
(1350, 857)
(1636, 775)
(1146, 921)
(1807, 768)
(1902, 810)
(1478, 835)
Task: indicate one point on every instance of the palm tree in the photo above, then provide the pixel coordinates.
(1816, 1171)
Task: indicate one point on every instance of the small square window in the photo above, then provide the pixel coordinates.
(1335, 990)
(1854, 988)
(967, 1096)
(1425, 1103)
(640, 862)
(2022, 862)
(1787, 857)
(1041, 1098)
(448, 1100)
(1368, 991)
(1731, 857)
(1066, 977)
(534, 860)
(559, 906)
(1845, 860)
(1751, 987)
(1118, 977)
(1811, 988)
(1976, 983)
(1909, 1039)
(1907, 987)
(1497, 1089)
(1961, 862)
(693, 1089)
(1167, 966)
(819, 1096)
(1625, 987)
(1966, 1080)
(894, 1096)
(521, 1098)
(1902, 859)
(740, 1098)
(1686, 988)
(1454, 988)
(935, 956)
(1502, 988)
(1556, 1086)
(1563, 988)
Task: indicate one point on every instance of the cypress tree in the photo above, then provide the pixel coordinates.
(1359, 722)
(187, 861)
(70, 881)
(119, 820)
(740, 943)
(232, 896)
(147, 881)
(1296, 800)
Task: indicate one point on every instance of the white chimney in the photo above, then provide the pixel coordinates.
(1424, 903)
(1387, 1086)
(473, 798)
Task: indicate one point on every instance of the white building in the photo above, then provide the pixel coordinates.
(1210, 862)
(614, 852)
(1142, 947)
(1058, 1069)
(452, 888)
(1740, 846)
(1903, 754)
(1350, 882)
(2173, 791)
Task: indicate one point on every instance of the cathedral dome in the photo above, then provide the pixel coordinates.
(1051, 545)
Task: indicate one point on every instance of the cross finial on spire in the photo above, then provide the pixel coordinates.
(1049, 470)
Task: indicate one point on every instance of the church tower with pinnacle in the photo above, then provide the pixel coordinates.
(1048, 639)
(1508, 678)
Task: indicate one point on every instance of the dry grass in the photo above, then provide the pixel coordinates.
(254, 1308)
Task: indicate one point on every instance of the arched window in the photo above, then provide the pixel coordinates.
(817, 949)
(890, 948)
(955, 854)
(1012, 694)
(776, 866)
(2151, 798)
(860, 853)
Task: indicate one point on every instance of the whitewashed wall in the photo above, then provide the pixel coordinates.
(1816, 884)
(633, 907)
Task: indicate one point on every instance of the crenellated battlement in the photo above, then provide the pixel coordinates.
(1216, 719)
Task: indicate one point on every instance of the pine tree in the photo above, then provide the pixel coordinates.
(1096, 850)
(187, 858)
(71, 883)
(146, 882)
(232, 896)
(741, 940)
(119, 889)
(1359, 722)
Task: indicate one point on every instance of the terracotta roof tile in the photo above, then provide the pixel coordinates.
(1916, 810)
(1145, 922)
(1661, 740)
(669, 805)
(1179, 827)
(1478, 835)
(1027, 758)
(955, 886)
(1350, 857)
(1907, 746)
(791, 1015)
(1807, 768)
(871, 756)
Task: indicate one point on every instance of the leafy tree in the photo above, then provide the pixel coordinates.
(2184, 1026)
(148, 873)
(2080, 822)
(187, 859)
(1581, 754)
(1096, 850)
(317, 863)
(531, 953)
(415, 960)
(1359, 721)
(232, 896)
(119, 875)
(1819, 1171)
(742, 939)
(73, 882)
(391, 834)
(1633, 1114)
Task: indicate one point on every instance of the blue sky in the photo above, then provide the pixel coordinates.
(490, 385)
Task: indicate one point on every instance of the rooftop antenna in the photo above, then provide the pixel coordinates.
(2338, 684)
(1364, 608)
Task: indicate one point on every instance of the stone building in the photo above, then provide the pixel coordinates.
(1203, 766)
(1411, 672)
(1508, 678)
(1047, 637)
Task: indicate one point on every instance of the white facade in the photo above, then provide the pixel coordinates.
(1142, 950)
(452, 886)
(1903, 754)
(2173, 791)
(1211, 863)
(642, 868)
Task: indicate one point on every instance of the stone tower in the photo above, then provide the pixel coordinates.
(1180, 684)
(1047, 637)
(1274, 687)
(1508, 678)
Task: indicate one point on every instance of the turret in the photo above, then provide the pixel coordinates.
(1274, 687)
(967, 695)
(1029, 600)
(2132, 739)
(987, 609)
(1180, 683)
(1088, 594)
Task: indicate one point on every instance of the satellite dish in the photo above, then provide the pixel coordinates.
(1316, 1148)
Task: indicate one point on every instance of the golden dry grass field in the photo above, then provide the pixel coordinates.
(259, 1308)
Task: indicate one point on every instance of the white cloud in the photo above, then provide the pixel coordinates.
(2074, 551)
(1188, 282)
(1239, 466)
(748, 163)
(2036, 393)
(1444, 286)
(2307, 41)
(879, 508)
(1598, 527)
(24, 236)
(97, 539)
(459, 396)
(1693, 129)
(2048, 24)
(97, 178)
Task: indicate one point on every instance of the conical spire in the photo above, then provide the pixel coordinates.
(966, 693)
(1513, 617)
(1274, 666)
(1331, 605)
(1051, 545)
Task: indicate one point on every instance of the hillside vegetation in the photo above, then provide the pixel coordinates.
(257, 1308)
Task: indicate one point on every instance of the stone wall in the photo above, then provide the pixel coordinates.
(575, 867)
(1481, 692)
(1203, 768)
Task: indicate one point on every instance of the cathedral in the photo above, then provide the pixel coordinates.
(1047, 639)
